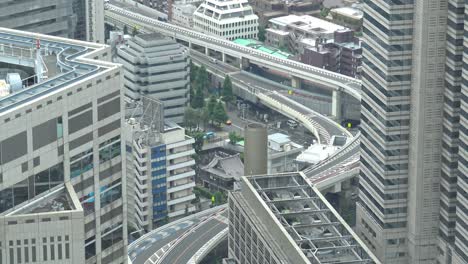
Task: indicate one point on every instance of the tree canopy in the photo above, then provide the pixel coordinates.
(227, 93)
(219, 113)
(261, 33)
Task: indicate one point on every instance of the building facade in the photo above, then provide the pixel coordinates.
(160, 173)
(231, 19)
(268, 9)
(282, 154)
(412, 199)
(182, 15)
(159, 67)
(65, 131)
(43, 230)
(79, 19)
(281, 219)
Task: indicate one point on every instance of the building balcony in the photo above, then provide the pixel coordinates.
(181, 165)
(138, 166)
(176, 177)
(182, 199)
(180, 154)
(140, 186)
(142, 176)
(139, 203)
(140, 194)
(180, 187)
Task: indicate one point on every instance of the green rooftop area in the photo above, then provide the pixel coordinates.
(255, 44)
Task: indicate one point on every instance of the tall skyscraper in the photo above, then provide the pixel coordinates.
(79, 19)
(61, 183)
(410, 209)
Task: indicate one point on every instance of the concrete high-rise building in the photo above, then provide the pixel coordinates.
(61, 183)
(229, 19)
(412, 201)
(79, 19)
(282, 219)
(160, 174)
(159, 67)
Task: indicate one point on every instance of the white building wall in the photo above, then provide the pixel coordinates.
(226, 19)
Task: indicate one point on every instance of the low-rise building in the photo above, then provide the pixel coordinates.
(282, 153)
(222, 173)
(160, 173)
(182, 15)
(343, 54)
(317, 42)
(347, 16)
(228, 19)
(268, 9)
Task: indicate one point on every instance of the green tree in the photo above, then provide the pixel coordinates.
(125, 30)
(198, 99)
(234, 138)
(201, 80)
(261, 33)
(324, 12)
(219, 198)
(192, 118)
(134, 31)
(191, 94)
(193, 71)
(219, 113)
(198, 136)
(211, 106)
(228, 96)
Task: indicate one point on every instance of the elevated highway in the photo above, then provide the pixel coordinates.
(166, 243)
(120, 13)
(340, 166)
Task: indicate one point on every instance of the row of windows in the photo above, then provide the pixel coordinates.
(29, 188)
(27, 251)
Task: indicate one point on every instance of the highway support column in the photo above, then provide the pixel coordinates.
(244, 63)
(223, 57)
(336, 104)
(296, 82)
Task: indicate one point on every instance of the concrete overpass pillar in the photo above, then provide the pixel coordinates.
(223, 57)
(190, 45)
(244, 63)
(336, 104)
(207, 51)
(296, 82)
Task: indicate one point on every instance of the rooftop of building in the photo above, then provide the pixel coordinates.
(304, 216)
(58, 199)
(349, 12)
(307, 23)
(255, 44)
(230, 167)
(70, 62)
(151, 36)
(316, 153)
(142, 46)
(279, 138)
